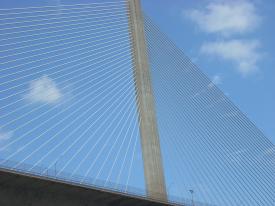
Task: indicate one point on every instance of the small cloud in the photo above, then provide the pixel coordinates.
(5, 135)
(270, 151)
(243, 53)
(216, 80)
(226, 18)
(43, 90)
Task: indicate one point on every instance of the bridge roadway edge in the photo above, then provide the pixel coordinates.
(21, 189)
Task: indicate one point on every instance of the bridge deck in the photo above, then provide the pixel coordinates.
(18, 189)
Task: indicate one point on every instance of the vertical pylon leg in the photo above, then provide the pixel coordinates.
(153, 169)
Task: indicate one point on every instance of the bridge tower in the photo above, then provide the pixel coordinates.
(151, 153)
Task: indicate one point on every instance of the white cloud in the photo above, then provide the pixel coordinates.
(5, 135)
(43, 90)
(216, 80)
(243, 53)
(270, 150)
(226, 18)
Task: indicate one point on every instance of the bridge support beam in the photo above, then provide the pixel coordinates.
(153, 169)
(17, 189)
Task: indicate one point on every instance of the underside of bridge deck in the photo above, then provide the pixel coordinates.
(25, 190)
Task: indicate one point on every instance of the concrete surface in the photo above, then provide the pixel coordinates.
(151, 153)
(24, 190)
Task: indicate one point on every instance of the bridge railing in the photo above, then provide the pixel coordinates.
(53, 174)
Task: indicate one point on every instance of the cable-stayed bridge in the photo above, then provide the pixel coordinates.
(95, 95)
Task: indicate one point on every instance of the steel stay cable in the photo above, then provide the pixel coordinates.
(229, 102)
(53, 16)
(56, 72)
(176, 149)
(37, 108)
(190, 161)
(130, 114)
(77, 76)
(23, 91)
(196, 68)
(121, 145)
(137, 93)
(59, 22)
(242, 169)
(132, 160)
(87, 129)
(91, 17)
(131, 136)
(86, 77)
(55, 60)
(83, 91)
(87, 141)
(79, 54)
(239, 125)
(55, 50)
(66, 80)
(60, 16)
(56, 7)
(234, 108)
(58, 10)
(178, 168)
(48, 129)
(41, 114)
(199, 178)
(98, 31)
(252, 173)
(106, 141)
(180, 182)
(267, 182)
(138, 103)
(51, 32)
(191, 173)
(203, 76)
(234, 175)
(54, 36)
(124, 159)
(50, 27)
(59, 132)
(201, 161)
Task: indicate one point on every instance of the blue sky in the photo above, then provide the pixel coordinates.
(198, 28)
(66, 85)
(67, 93)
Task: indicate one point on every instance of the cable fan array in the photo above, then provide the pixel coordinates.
(216, 151)
(69, 109)
(67, 94)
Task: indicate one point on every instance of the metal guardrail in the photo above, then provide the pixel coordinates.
(51, 174)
